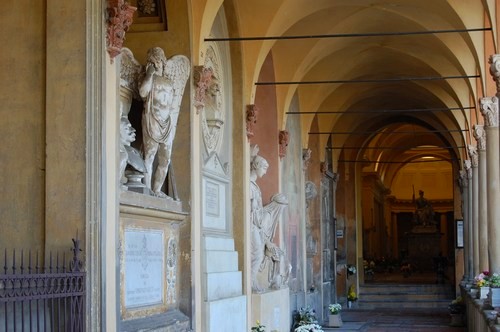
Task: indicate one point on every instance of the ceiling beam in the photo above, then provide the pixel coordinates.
(379, 80)
(348, 35)
(412, 148)
(387, 132)
(439, 109)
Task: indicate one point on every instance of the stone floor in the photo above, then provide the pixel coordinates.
(396, 320)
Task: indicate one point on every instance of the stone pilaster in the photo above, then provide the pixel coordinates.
(474, 212)
(480, 136)
(489, 110)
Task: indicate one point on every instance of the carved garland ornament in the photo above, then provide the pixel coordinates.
(284, 139)
(202, 78)
(251, 119)
(119, 20)
(306, 158)
(171, 270)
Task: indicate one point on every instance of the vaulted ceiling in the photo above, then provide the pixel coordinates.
(407, 73)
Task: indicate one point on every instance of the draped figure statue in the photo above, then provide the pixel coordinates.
(264, 221)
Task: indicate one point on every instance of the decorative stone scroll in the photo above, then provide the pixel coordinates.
(251, 119)
(474, 157)
(480, 136)
(284, 139)
(119, 20)
(489, 110)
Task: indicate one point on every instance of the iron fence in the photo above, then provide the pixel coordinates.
(49, 298)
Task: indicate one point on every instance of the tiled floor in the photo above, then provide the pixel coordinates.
(396, 320)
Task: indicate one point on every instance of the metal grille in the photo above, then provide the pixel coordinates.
(50, 298)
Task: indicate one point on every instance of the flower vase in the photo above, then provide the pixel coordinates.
(483, 292)
(334, 320)
(494, 297)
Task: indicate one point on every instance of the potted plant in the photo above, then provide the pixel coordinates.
(351, 296)
(334, 319)
(304, 317)
(309, 328)
(482, 282)
(259, 327)
(494, 294)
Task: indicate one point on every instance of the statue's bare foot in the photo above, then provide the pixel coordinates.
(160, 194)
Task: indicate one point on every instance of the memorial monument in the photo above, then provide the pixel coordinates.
(270, 301)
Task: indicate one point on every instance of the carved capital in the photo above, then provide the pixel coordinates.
(306, 157)
(284, 139)
(251, 119)
(462, 180)
(468, 169)
(495, 69)
(472, 150)
(489, 110)
(323, 167)
(119, 20)
(480, 136)
(202, 77)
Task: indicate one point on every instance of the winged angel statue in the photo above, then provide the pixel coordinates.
(161, 89)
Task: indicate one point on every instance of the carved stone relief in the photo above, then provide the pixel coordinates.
(213, 115)
(495, 69)
(202, 77)
(171, 271)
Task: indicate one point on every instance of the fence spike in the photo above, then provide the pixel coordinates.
(22, 261)
(14, 261)
(5, 262)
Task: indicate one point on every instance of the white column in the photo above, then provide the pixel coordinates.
(480, 136)
(474, 212)
(489, 109)
(468, 221)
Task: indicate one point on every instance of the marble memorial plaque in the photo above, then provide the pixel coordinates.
(144, 267)
(214, 203)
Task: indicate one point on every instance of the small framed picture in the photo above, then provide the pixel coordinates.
(459, 234)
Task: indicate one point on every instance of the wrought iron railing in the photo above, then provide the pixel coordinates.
(49, 298)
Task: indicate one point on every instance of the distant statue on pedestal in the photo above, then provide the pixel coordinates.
(264, 221)
(424, 214)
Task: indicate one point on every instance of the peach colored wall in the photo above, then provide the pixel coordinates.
(43, 124)
(266, 131)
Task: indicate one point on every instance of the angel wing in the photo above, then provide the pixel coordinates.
(178, 71)
(131, 72)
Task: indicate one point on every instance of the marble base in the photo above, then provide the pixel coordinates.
(272, 309)
(228, 314)
(172, 321)
(150, 202)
